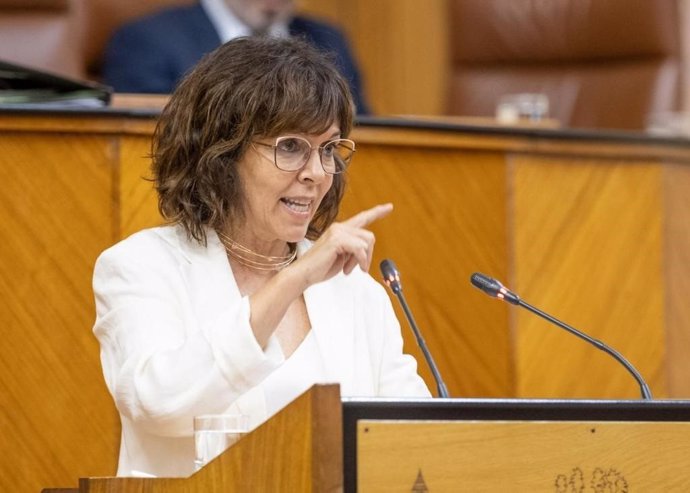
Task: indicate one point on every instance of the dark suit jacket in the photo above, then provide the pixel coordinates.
(151, 54)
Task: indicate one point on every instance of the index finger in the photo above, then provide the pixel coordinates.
(369, 216)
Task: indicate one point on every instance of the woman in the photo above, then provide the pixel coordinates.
(252, 293)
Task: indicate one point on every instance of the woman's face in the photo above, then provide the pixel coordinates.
(279, 205)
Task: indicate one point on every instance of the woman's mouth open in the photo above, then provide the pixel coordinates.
(298, 206)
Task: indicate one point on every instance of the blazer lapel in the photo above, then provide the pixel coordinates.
(331, 310)
(210, 281)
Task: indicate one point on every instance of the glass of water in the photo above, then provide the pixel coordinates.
(513, 108)
(214, 433)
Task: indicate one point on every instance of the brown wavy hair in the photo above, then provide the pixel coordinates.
(246, 88)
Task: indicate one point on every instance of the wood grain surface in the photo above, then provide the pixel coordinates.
(524, 456)
(57, 419)
(588, 248)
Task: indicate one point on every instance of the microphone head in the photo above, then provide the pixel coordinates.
(487, 284)
(391, 276)
(494, 288)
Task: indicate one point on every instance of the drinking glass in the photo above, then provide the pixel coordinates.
(214, 433)
(513, 108)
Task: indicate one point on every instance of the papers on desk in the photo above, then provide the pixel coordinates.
(24, 87)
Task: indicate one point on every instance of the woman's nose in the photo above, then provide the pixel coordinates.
(313, 169)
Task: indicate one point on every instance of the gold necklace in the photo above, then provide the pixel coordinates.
(253, 260)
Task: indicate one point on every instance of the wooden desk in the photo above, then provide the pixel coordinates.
(590, 227)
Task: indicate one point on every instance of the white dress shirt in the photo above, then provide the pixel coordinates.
(229, 26)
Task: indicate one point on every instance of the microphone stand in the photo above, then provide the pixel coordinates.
(494, 288)
(392, 279)
(644, 388)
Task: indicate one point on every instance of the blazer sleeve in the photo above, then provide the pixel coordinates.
(161, 364)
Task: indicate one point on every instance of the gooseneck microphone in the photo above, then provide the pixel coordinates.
(391, 278)
(494, 288)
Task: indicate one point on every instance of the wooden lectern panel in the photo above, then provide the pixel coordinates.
(136, 195)
(676, 267)
(525, 456)
(588, 250)
(56, 420)
(297, 450)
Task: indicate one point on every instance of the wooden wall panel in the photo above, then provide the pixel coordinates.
(588, 250)
(136, 192)
(56, 418)
(677, 272)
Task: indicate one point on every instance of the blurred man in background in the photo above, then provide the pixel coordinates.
(151, 54)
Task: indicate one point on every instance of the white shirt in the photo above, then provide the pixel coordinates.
(229, 26)
(302, 370)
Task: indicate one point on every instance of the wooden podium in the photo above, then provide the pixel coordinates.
(322, 444)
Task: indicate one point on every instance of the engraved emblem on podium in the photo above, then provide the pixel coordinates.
(600, 481)
(419, 485)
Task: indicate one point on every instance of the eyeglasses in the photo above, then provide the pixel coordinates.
(292, 153)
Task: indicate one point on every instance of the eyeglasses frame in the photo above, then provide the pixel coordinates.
(311, 149)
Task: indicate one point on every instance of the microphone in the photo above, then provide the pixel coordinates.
(391, 278)
(494, 288)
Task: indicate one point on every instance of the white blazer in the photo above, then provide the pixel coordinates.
(176, 342)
